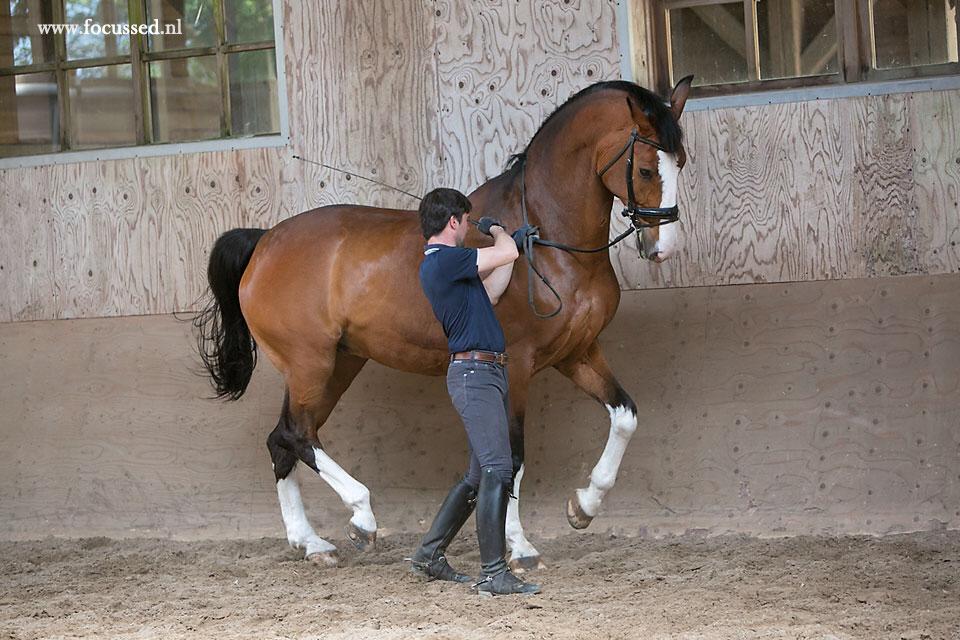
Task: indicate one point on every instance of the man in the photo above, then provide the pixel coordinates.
(462, 285)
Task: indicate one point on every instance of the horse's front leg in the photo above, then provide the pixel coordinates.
(523, 555)
(591, 373)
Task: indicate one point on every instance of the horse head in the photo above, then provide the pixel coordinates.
(639, 161)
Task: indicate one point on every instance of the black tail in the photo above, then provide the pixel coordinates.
(228, 350)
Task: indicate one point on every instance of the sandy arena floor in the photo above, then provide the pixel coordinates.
(905, 586)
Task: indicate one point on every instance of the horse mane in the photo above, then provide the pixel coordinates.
(669, 133)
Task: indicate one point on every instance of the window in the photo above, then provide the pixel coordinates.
(202, 70)
(735, 46)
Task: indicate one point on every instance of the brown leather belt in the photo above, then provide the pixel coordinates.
(483, 356)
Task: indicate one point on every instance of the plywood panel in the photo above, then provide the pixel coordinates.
(935, 117)
(365, 77)
(814, 190)
(820, 407)
(503, 67)
(131, 236)
(422, 94)
(885, 211)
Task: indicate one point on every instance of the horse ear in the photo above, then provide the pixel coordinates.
(679, 96)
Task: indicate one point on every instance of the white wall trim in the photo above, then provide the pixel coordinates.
(146, 151)
(625, 39)
(830, 92)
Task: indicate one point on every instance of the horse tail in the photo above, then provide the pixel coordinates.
(228, 351)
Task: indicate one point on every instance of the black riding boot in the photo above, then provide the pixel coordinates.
(456, 508)
(495, 575)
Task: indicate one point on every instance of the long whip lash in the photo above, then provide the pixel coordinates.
(356, 175)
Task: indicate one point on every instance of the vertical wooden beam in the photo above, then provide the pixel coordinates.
(137, 11)
(9, 132)
(223, 71)
(752, 50)
(860, 53)
(796, 37)
(775, 29)
(63, 89)
(665, 62)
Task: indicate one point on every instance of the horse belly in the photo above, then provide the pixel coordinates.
(404, 341)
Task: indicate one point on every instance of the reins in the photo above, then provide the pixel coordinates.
(664, 215)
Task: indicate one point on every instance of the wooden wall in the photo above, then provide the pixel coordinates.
(417, 93)
(820, 190)
(424, 93)
(854, 201)
(819, 407)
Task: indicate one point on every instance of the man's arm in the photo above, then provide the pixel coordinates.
(496, 282)
(495, 264)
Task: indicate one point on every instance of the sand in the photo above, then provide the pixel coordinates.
(595, 586)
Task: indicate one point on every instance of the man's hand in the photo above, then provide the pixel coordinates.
(520, 235)
(486, 223)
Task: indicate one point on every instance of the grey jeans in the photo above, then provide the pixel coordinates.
(479, 392)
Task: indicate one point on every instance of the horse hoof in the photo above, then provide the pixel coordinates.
(362, 540)
(524, 564)
(324, 558)
(575, 515)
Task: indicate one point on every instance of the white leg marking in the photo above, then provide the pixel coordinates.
(623, 422)
(520, 547)
(669, 184)
(353, 493)
(300, 534)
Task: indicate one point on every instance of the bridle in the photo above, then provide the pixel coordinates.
(663, 215)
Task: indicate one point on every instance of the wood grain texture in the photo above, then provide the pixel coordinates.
(504, 65)
(815, 190)
(423, 94)
(775, 409)
(362, 95)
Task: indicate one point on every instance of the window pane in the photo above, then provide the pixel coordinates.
(909, 34)
(709, 42)
(196, 22)
(797, 38)
(101, 107)
(29, 114)
(20, 39)
(185, 99)
(95, 43)
(249, 20)
(253, 93)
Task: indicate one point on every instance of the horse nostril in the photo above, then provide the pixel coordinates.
(655, 256)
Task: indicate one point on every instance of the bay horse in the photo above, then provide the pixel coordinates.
(326, 290)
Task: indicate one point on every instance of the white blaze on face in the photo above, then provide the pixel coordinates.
(669, 184)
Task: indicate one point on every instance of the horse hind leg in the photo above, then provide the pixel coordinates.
(300, 535)
(523, 555)
(295, 438)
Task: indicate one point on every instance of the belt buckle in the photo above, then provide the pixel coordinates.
(501, 359)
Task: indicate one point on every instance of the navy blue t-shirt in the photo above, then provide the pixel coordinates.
(452, 284)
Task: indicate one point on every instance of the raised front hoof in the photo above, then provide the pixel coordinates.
(524, 564)
(362, 540)
(324, 558)
(575, 515)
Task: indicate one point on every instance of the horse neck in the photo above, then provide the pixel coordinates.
(564, 196)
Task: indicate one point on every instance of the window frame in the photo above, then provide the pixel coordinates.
(139, 59)
(855, 53)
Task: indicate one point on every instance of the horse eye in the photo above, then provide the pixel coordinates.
(646, 174)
